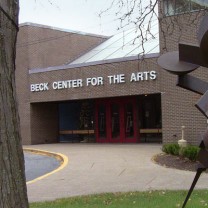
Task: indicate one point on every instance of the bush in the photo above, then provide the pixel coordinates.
(190, 152)
(172, 149)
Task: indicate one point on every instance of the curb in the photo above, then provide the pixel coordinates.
(62, 158)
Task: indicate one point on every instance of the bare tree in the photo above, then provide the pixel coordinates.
(135, 13)
(13, 193)
(145, 14)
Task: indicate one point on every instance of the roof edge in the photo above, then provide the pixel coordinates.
(109, 61)
(60, 29)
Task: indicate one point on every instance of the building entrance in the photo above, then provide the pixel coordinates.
(112, 120)
(116, 120)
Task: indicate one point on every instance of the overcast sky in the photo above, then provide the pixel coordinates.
(81, 15)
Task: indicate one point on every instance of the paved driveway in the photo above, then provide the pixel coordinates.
(97, 168)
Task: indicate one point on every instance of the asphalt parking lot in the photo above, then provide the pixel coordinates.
(38, 165)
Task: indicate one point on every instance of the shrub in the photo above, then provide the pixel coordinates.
(190, 152)
(172, 149)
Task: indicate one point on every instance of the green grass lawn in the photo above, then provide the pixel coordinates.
(150, 199)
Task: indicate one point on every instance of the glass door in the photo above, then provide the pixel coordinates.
(130, 122)
(101, 121)
(115, 121)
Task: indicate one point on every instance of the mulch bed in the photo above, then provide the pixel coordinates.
(176, 162)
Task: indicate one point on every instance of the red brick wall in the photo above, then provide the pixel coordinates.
(91, 92)
(105, 90)
(47, 47)
(39, 47)
(178, 104)
(44, 123)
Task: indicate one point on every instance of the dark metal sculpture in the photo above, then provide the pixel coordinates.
(182, 62)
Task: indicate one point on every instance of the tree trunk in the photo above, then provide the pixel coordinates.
(13, 192)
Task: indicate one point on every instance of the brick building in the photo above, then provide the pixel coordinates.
(75, 86)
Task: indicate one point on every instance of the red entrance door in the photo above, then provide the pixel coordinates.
(116, 120)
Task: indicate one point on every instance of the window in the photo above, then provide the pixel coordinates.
(173, 7)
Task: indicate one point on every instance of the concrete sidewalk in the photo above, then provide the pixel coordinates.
(98, 168)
